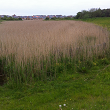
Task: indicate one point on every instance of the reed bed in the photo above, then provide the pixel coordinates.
(43, 45)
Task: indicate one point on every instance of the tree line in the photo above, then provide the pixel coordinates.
(65, 18)
(93, 12)
(10, 18)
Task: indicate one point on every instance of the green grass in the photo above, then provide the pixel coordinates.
(85, 86)
(1, 20)
(90, 91)
(102, 21)
(58, 19)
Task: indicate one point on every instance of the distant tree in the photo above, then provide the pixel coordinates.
(54, 18)
(9, 18)
(47, 18)
(98, 13)
(106, 12)
(78, 16)
(4, 18)
(19, 18)
(93, 12)
(85, 14)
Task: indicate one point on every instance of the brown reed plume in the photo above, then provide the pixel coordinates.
(34, 39)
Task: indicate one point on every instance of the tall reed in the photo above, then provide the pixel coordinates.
(42, 49)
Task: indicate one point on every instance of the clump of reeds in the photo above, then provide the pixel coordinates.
(42, 49)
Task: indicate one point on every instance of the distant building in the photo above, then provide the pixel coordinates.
(36, 17)
(14, 16)
(29, 18)
(2, 16)
(23, 17)
(39, 16)
(51, 16)
(70, 16)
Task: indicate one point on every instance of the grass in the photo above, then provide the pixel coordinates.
(102, 21)
(57, 19)
(76, 90)
(41, 49)
(79, 83)
(1, 21)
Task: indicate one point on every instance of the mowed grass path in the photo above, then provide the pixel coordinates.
(79, 91)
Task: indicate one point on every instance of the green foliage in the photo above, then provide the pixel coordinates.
(19, 18)
(16, 74)
(103, 61)
(77, 91)
(47, 18)
(10, 18)
(2, 73)
(93, 13)
(101, 21)
(65, 18)
(54, 18)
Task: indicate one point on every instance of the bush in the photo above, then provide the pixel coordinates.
(47, 18)
(54, 18)
(10, 18)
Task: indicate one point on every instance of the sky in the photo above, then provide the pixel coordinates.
(49, 7)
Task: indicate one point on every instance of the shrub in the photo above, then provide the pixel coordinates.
(47, 18)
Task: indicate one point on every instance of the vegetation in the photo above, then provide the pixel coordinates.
(78, 91)
(47, 18)
(1, 20)
(94, 12)
(42, 57)
(10, 18)
(101, 21)
(49, 70)
(54, 18)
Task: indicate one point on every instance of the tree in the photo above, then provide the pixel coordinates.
(4, 18)
(19, 18)
(9, 18)
(93, 12)
(47, 18)
(98, 13)
(78, 16)
(54, 18)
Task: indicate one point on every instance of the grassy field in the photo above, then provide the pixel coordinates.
(73, 70)
(1, 20)
(104, 21)
(32, 50)
(78, 91)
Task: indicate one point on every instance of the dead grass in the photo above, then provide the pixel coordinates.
(28, 39)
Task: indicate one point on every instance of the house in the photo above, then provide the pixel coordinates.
(70, 16)
(24, 17)
(2, 16)
(51, 16)
(14, 16)
(35, 17)
(29, 18)
(39, 17)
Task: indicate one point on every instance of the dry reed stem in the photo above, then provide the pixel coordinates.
(29, 39)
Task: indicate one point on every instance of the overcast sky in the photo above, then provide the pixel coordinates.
(49, 7)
